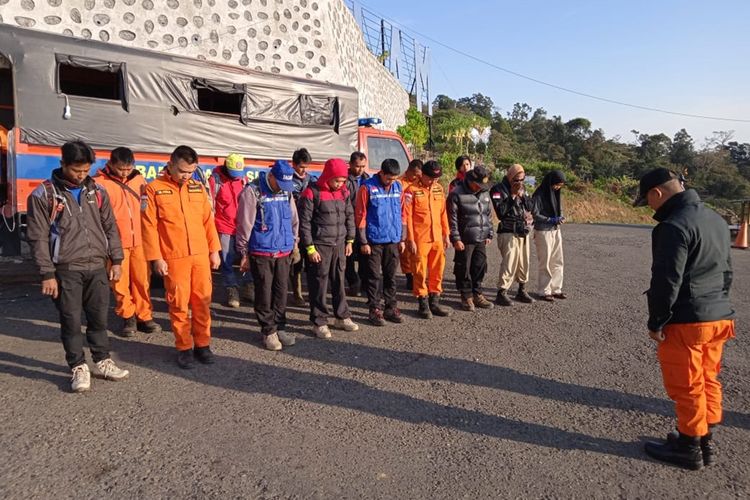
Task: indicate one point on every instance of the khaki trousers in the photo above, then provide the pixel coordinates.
(549, 252)
(516, 253)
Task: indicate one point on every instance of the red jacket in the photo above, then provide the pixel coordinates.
(226, 199)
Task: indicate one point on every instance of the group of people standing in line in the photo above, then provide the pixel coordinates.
(347, 230)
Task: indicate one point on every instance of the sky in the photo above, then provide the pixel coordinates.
(683, 56)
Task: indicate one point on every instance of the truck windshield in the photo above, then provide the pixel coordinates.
(382, 148)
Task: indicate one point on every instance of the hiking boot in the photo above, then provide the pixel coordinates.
(522, 295)
(345, 324)
(81, 381)
(376, 317)
(708, 448)
(287, 338)
(108, 370)
(322, 331)
(560, 296)
(247, 293)
(149, 326)
(393, 315)
(482, 302)
(128, 327)
(204, 355)
(436, 308)
(684, 451)
(409, 282)
(502, 298)
(233, 297)
(467, 303)
(185, 359)
(424, 308)
(272, 342)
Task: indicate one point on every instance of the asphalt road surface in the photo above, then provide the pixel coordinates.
(541, 400)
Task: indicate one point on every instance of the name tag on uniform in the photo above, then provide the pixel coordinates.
(418, 193)
(163, 191)
(193, 188)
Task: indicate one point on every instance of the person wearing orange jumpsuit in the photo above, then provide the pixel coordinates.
(411, 176)
(126, 187)
(427, 237)
(690, 314)
(180, 239)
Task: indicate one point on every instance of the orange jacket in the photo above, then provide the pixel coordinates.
(177, 220)
(424, 213)
(125, 198)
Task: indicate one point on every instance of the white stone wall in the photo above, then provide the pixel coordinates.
(314, 39)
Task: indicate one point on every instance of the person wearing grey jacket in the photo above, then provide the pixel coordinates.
(74, 239)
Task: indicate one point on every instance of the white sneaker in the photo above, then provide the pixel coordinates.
(81, 380)
(322, 332)
(272, 342)
(108, 370)
(287, 338)
(345, 324)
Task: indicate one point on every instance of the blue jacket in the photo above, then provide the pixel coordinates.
(273, 232)
(383, 213)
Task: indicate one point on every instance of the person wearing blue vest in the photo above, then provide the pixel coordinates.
(267, 226)
(381, 234)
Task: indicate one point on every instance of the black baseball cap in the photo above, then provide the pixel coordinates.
(650, 180)
(480, 175)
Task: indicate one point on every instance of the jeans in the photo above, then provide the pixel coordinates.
(228, 257)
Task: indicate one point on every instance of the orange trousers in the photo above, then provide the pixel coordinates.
(429, 264)
(132, 295)
(407, 262)
(188, 290)
(690, 358)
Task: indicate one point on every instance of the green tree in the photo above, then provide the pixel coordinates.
(414, 131)
(443, 102)
(478, 104)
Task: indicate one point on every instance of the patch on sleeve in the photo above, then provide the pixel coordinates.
(497, 196)
(408, 197)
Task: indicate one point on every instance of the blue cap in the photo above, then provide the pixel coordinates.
(284, 174)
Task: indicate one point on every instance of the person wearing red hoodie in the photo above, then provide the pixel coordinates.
(226, 182)
(326, 230)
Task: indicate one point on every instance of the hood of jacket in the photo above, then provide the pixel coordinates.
(335, 167)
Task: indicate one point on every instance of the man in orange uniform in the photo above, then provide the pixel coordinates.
(125, 186)
(427, 238)
(411, 176)
(690, 315)
(180, 239)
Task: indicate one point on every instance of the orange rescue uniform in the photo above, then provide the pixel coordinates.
(690, 358)
(407, 264)
(132, 295)
(426, 221)
(178, 227)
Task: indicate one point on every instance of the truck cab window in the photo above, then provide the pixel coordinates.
(382, 148)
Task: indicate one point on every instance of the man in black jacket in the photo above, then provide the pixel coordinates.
(356, 263)
(470, 222)
(690, 315)
(74, 239)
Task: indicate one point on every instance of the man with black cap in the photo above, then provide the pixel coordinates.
(690, 315)
(427, 238)
(470, 221)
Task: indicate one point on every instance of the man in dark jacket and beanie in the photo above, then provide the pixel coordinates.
(327, 235)
(356, 263)
(74, 238)
(690, 315)
(301, 160)
(513, 208)
(470, 221)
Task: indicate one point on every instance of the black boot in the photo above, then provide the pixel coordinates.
(708, 447)
(502, 298)
(522, 295)
(128, 327)
(685, 451)
(409, 282)
(436, 308)
(424, 308)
